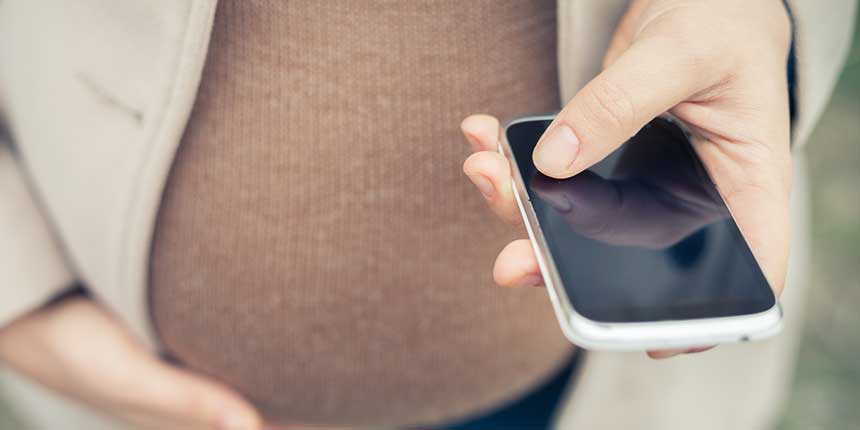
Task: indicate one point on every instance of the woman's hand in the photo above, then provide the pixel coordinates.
(717, 65)
(78, 350)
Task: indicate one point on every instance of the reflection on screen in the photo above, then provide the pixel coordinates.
(644, 234)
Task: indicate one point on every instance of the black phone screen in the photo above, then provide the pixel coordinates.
(643, 235)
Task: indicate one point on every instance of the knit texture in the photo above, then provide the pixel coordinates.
(318, 247)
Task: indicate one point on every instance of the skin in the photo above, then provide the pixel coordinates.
(106, 368)
(717, 65)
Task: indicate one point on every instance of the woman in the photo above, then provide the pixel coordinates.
(315, 252)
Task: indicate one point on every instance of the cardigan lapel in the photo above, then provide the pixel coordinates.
(97, 94)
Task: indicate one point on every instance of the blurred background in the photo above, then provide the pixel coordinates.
(826, 391)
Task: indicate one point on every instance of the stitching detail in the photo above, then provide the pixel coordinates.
(108, 99)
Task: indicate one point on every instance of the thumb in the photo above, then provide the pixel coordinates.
(649, 78)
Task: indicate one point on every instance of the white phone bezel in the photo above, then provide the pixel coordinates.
(637, 336)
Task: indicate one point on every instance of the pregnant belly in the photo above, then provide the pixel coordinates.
(318, 247)
(344, 295)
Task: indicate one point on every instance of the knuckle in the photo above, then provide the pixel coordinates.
(480, 123)
(469, 165)
(609, 105)
(475, 163)
(486, 162)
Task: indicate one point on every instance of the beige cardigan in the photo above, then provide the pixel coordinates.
(95, 95)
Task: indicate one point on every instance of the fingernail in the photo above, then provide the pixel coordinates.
(557, 150)
(530, 281)
(484, 185)
(237, 421)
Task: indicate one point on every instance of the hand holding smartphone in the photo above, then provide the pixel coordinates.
(640, 251)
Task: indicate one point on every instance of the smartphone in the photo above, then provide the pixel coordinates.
(640, 251)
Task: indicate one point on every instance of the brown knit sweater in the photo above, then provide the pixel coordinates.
(319, 248)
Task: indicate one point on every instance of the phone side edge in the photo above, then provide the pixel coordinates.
(558, 297)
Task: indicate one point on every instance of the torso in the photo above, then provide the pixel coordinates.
(318, 246)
